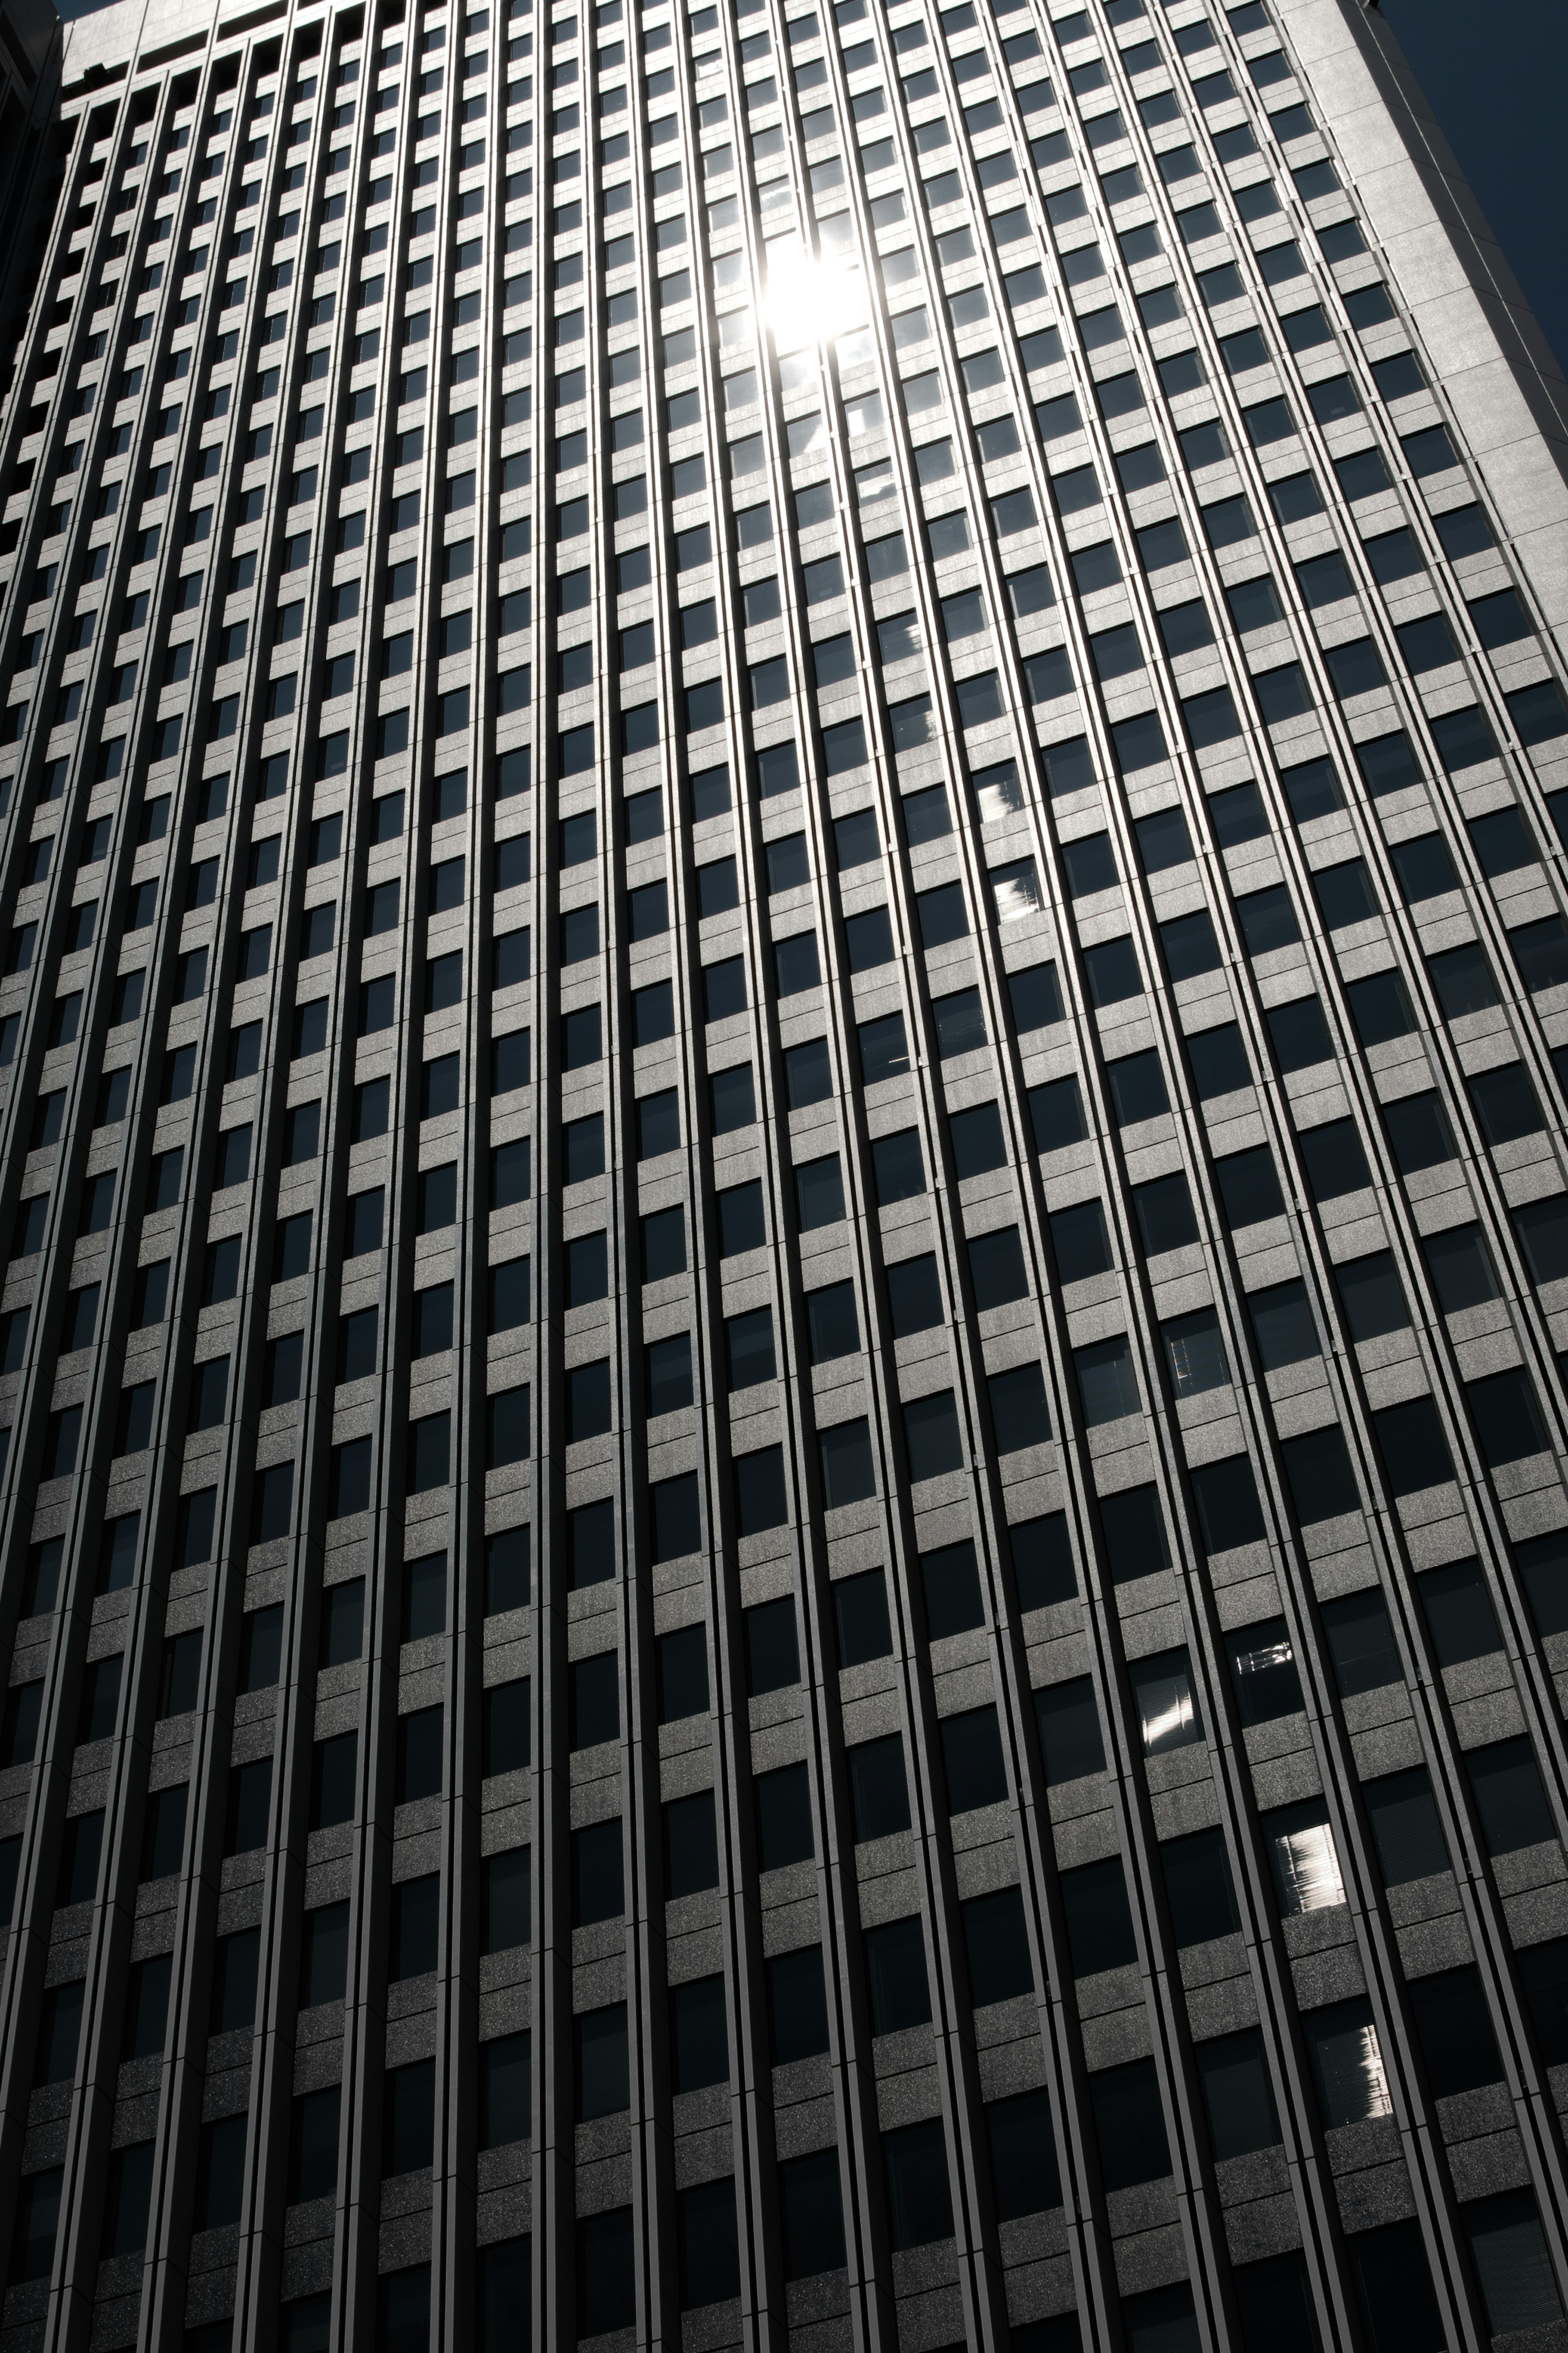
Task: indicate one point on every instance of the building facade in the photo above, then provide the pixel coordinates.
(783, 1011)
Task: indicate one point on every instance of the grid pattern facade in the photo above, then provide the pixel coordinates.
(783, 1017)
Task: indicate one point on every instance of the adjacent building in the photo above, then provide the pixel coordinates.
(783, 1012)
(30, 57)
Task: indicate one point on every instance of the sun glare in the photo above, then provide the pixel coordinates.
(812, 297)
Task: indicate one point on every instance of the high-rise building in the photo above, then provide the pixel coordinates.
(784, 1016)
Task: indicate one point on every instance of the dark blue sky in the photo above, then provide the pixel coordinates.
(1496, 75)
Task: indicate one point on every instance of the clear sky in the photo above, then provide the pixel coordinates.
(1496, 75)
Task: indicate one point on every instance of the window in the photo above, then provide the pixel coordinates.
(996, 1268)
(707, 2244)
(593, 1705)
(898, 1168)
(1283, 1325)
(250, 1806)
(58, 2033)
(341, 1623)
(919, 2200)
(261, 1638)
(699, 2048)
(772, 1647)
(1199, 1888)
(1162, 1695)
(1056, 1114)
(1457, 1608)
(506, 1910)
(977, 1140)
(1099, 1922)
(861, 1622)
(832, 1323)
(323, 1954)
(1067, 1715)
(1510, 1803)
(879, 1787)
(606, 2276)
(1134, 1533)
(1347, 2064)
(506, 1726)
(1372, 1297)
(598, 1873)
(1195, 1353)
(1129, 2124)
(1454, 2028)
(1250, 1188)
(783, 1822)
(760, 1490)
(1406, 1827)
(505, 2091)
(1108, 1383)
(1411, 1443)
(1380, 1008)
(1506, 1104)
(1303, 1858)
(819, 1200)
(797, 2005)
(811, 2214)
(1239, 2098)
(128, 2199)
(1299, 1034)
(1164, 1215)
(1263, 1667)
(1362, 1651)
(898, 1990)
(1508, 2248)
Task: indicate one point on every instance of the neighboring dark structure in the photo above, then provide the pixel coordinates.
(30, 48)
(783, 1011)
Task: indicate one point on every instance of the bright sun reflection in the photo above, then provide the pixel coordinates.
(811, 298)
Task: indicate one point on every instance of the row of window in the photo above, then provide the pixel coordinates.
(1507, 1419)
(1510, 1808)
(914, 33)
(1344, 894)
(1273, 2296)
(1455, 1604)
(1028, 2208)
(1283, 691)
(1503, 1099)
(1355, 667)
(1379, 1004)
(1453, 2031)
